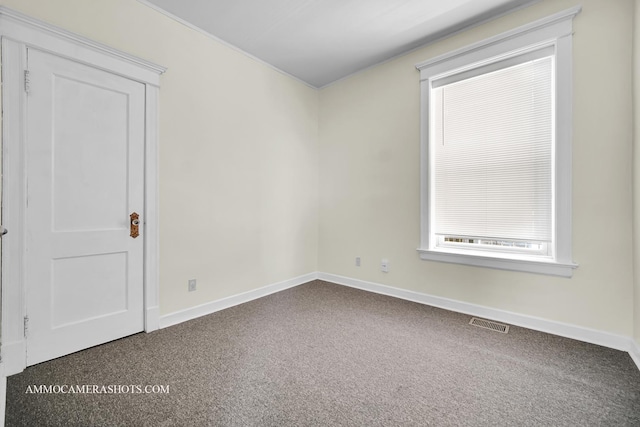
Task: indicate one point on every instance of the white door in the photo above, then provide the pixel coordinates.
(85, 176)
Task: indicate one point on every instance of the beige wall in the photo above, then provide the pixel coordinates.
(369, 180)
(238, 153)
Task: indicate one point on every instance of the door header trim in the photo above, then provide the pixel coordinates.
(43, 35)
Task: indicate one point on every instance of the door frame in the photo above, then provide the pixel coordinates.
(19, 32)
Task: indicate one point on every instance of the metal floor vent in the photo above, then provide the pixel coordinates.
(488, 324)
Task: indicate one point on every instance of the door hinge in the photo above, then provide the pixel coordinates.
(27, 81)
(26, 325)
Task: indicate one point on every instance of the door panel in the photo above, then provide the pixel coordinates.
(107, 274)
(88, 146)
(85, 175)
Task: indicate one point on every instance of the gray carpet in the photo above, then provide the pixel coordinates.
(326, 355)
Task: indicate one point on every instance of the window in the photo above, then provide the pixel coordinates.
(496, 151)
(491, 163)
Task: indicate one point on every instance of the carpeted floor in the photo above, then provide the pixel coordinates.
(325, 355)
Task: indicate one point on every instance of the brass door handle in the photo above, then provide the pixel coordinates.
(134, 225)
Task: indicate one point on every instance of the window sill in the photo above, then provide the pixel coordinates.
(551, 268)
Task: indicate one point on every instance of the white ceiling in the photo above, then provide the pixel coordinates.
(321, 41)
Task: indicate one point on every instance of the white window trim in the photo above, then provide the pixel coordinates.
(556, 30)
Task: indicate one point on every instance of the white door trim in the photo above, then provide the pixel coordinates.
(19, 32)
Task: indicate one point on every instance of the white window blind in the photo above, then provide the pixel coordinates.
(492, 152)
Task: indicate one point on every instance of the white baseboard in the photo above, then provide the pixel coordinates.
(634, 351)
(152, 320)
(221, 304)
(592, 336)
(14, 357)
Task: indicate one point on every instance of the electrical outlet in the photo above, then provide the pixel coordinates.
(384, 266)
(357, 261)
(192, 285)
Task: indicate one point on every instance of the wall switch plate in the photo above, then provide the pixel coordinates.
(357, 261)
(192, 285)
(384, 266)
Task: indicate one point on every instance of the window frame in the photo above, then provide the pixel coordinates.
(555, 30)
